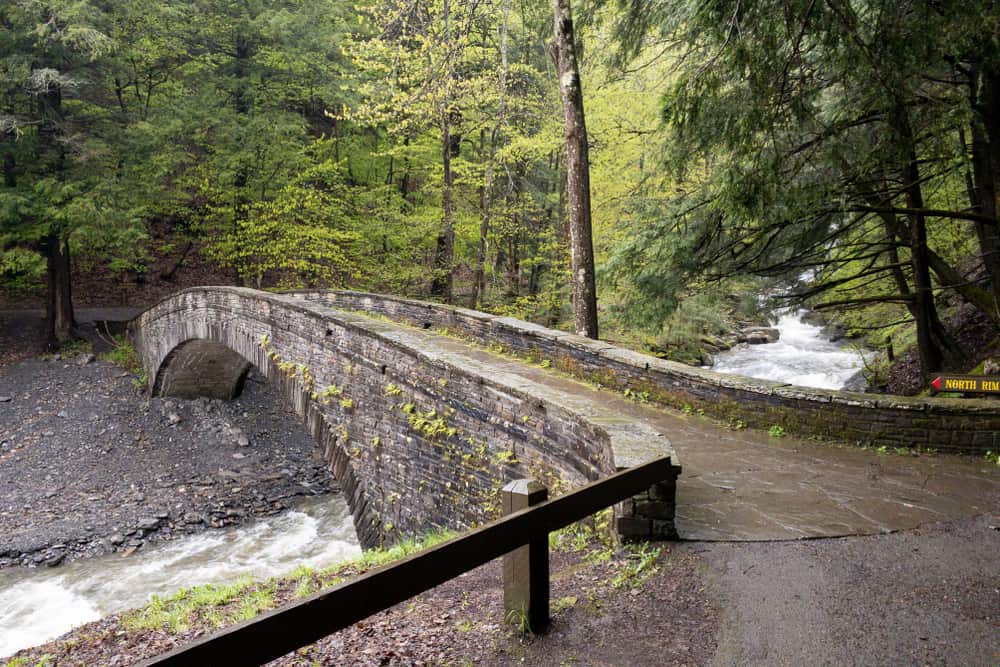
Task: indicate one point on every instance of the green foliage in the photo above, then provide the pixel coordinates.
(993, 457)
(45, 661)
(777, 431)
(124, 354)
(641, 561)
(21, 269)
(298, 238)
(818, 173)
(179, 611)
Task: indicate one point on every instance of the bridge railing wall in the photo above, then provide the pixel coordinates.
(946, 424)
(416, 442)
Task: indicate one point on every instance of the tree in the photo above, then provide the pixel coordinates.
(577, 172)
(53, 153)
(804, 130)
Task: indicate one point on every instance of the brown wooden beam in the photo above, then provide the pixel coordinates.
(275, 633)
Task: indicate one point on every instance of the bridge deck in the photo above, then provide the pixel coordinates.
(745, 485)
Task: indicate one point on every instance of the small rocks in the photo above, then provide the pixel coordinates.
(89, 452)
(148, 523)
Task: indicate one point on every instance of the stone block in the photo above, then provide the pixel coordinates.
(633, 527)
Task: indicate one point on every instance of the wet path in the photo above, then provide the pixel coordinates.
(746, 485)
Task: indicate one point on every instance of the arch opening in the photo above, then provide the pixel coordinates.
(198, 368)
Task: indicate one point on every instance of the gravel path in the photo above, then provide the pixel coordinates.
(928, 596)
(89, 465)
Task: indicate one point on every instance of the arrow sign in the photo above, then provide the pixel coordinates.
(974, 384)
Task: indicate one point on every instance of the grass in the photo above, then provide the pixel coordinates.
(72, 348)
(45, 661)
(217, 605)
(178, 612)
(642, 560)
(125, 355)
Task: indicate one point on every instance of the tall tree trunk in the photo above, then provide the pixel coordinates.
(59, 320)
(942, 339)
(444, 256)
(485, 197)
(926, 313)
(985, 130)
(486, 200)
(577, 173)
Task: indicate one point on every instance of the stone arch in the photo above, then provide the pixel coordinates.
(198, 367)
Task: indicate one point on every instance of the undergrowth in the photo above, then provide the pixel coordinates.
(125, 355)
(216, 605)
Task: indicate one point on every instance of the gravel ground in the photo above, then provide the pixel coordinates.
(929, 596)
(88, 465)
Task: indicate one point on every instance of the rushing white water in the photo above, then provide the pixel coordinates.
(39, 604)
(801, 356)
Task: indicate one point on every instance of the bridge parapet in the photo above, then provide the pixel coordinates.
(418, 439)
(970, 426)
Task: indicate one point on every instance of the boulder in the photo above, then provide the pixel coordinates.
(759, 335)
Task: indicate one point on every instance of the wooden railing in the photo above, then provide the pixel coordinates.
(299, 624)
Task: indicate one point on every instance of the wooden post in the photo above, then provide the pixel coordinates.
(526, 570)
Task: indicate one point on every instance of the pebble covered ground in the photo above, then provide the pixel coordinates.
(89, 464)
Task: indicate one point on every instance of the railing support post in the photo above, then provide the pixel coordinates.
(526, 570)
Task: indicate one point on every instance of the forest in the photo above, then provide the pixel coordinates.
(711, 159)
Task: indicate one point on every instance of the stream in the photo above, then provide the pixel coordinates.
(39, 604)
(802, 356)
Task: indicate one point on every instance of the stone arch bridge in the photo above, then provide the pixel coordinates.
(424, 411)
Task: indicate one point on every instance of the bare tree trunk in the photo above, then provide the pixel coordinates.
(444, 254)
(486, 201)
(925, 312)
(577, 173)
(985, 129)
(59, 320)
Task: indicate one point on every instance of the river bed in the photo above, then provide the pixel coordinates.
(42, 603)
(802, 356)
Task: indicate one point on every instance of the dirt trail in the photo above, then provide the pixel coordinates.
(921, 597)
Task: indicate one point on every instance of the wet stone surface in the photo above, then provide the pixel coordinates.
(88, 465)
(742, 484)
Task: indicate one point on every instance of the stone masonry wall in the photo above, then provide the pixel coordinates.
(416, 442)
(955, 425)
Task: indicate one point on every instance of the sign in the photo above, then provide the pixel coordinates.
(986, 384)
